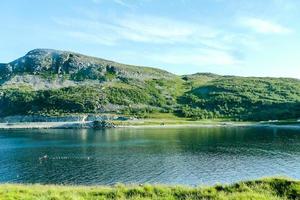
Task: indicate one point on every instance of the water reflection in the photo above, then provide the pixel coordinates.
(162, 155)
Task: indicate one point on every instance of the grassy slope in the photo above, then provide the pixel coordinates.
(242, 98)
(275, 188)
(109, 87)
(196, 97)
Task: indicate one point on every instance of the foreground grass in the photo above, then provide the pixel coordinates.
(272, 188)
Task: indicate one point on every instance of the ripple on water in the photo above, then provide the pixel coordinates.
(172, 156)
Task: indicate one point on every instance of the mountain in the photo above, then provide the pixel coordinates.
(48, 63)
(52, 82)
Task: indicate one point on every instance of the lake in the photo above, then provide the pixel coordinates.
(190, 156)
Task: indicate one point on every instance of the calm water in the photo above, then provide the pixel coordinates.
(164, 155)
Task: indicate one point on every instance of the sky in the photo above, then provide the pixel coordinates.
(227, 37)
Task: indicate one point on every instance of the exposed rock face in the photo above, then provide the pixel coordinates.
(103, 124)
(39, 83)
(54, 64)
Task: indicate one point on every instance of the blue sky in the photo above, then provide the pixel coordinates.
(232, 37)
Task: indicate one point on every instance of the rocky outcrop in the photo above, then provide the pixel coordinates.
(103, 124)
(75, 118)
(54, 64)
(38, 82)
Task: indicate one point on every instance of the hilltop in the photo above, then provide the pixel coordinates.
(45, 64)
(52, 82)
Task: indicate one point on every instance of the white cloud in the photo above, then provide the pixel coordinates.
(264, 26)
(121, 2)
(92, 38)
(188, 43)
(162, 30)
(147, 29)
(196, 57)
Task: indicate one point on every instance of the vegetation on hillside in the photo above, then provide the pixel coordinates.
(243, 98)
(267, 189)
(100, 86)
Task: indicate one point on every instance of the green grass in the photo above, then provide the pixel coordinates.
(172, 119)
(265, 189)
(107, 87)
(242, 98)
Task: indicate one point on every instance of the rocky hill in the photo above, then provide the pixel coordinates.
(41, 65)
(51, 82)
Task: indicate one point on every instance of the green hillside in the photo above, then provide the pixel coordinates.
(51, 82)
(243, 98)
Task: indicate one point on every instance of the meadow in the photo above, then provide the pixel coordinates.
(268, 189)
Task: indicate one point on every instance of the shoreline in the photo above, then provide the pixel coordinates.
(180, 124)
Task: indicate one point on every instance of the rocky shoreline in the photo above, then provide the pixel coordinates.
(59, 125)
(69, 118)
(47, 122)
(111, 124)
(115, 121)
